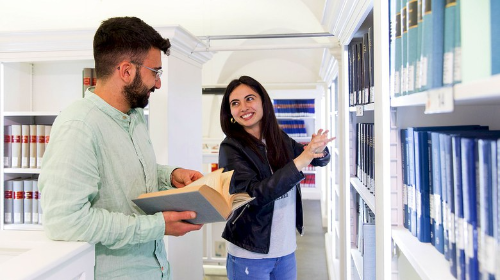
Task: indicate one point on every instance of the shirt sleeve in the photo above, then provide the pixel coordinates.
(70, 181)
(164, 176)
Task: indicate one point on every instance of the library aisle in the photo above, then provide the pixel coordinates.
(311, 255)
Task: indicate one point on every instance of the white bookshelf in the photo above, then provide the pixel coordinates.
(476, 102)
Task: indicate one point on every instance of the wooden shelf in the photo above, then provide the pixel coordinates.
(425, 259)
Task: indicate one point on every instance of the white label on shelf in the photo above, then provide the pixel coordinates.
(439, 101)
(359, 110)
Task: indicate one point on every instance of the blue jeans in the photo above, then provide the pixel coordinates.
(282, 268)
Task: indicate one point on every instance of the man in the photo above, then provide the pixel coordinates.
(100, 157)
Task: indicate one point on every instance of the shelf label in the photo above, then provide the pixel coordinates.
(439, 101)
(359, 110)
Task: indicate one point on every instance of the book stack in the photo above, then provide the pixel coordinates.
(22, 202)
(24, 145)
(361, 76)
(365, 236)
(435, 43)
(294, 128)
(451, 176)
(294, 107)
(365, 153)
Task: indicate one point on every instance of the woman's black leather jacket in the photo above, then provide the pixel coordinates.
(250, 226)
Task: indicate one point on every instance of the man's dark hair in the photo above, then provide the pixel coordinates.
(277, 153)
(123, 38)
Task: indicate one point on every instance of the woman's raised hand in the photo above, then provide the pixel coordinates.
(314, 149)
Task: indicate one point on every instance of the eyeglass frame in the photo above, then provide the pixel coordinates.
(158, 72)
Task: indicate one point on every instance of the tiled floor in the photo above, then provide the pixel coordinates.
(311, 256)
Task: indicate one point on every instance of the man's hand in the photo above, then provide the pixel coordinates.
(183, 177)
(174, 224)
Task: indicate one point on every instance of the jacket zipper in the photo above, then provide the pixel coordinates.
(241, 213)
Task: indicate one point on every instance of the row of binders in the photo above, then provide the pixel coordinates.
(24, 145)
(294, 107)
(450, 195)
(22, 202)
(363, 229)
(443, 42)
(294, 128)
(361, 75)
(365, 155)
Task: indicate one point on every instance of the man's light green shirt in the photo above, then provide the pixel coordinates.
(98, 160)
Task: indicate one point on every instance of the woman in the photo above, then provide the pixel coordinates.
(267, 165)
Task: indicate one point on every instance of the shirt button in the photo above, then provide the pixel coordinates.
(124, 117)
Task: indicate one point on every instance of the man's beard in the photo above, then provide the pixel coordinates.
(137, 93)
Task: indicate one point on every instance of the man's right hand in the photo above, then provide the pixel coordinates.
(175, 224)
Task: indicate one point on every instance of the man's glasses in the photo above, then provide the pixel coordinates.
(157, 71)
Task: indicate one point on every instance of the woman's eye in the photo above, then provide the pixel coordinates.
(234, 104)
(250, 98)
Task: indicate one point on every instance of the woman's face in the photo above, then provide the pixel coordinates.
(246, 109)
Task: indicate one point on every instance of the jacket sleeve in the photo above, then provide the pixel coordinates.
(246, 177)
(299, 148)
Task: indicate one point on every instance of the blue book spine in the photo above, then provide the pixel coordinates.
(457, 44)
(449, 41)
(422, 186)
(486, 249)
(412, 10)
(444, 195)
(495, 39)
(450, 196)
(459, 210)
(404, 162)
(398, 60)
(412, 207)
(433, 34)
(437, 224)
(404, 66)
(418, 70)
(470, 206)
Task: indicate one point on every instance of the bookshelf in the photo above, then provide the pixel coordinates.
(41, 74)
(399, 254)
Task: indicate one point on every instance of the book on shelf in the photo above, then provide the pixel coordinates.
(8, 206)
(495, 42)
(450, 12)
(404, 47)
(87, 74)
(412, 17)
(7, 146)
(18, 201)
(458, 203)
(433, 44)
(32, 143)
(35, 203)
(16, 146)
(208, 196)
(436, 193)
(28, 201)
(40, 146)
(397, 50)
(25, 145)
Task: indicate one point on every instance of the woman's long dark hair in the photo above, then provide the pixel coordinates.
(277, 153)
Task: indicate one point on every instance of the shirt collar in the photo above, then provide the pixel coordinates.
(120, 117)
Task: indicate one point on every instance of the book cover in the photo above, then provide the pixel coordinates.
(458, 203)
(436, 197)
(208, 196)
(404, 48)
(433, 44)
(16, 146)
(28, 201)
(35, 202)
(398, 59)
(422, 186)
(18, 201)
(7, 146)
(404, 162)
(495, 41)
(449, 41)
(476, 39)
(25, 146)
(8, 201)
(32, 143)
(40, 146)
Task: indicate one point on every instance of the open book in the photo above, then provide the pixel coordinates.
(208, 196)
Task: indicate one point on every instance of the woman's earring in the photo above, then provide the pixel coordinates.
(232, 120)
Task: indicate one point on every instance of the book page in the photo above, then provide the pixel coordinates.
(211, 179)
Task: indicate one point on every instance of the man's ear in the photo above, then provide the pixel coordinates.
(126, 71)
